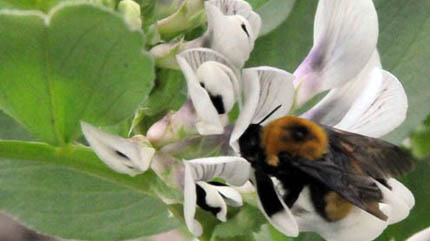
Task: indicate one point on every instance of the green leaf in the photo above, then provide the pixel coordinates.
(286, 46)
(81, 62)
(248, 219)
(257, 3)
(403, 45)
(43, 5)
(273, 13)
(12, 130)
(420, 140)
(68, 192)
(169, 93)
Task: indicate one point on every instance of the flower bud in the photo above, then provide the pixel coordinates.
(131, 13)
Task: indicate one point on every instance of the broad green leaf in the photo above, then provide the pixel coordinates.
(12, 130)
(405, 51)
(420, 140)
(257, 3)
(68, 192)
(80, 62)
(248, 219)
(286, 46)
(273, 13)
(29, 4)
(169, 93)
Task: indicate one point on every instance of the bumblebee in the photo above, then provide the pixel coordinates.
(340, 168)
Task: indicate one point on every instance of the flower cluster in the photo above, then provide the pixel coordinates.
(362, 98)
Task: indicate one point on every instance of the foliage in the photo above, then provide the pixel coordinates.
(80, 61)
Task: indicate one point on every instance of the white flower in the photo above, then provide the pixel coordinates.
(345, 37)
(173, 126)
(232, 29)
(363, 99)
(128, 156)
(213, 87)
(213, 198)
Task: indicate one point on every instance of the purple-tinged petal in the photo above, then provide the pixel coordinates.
(334, 106)
(381, 107)
(345, 36)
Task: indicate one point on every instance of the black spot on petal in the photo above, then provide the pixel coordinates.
(201, 201)
(218, 103)
(245, 29)
(122, 155)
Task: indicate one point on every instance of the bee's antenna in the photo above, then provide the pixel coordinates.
(270, 114)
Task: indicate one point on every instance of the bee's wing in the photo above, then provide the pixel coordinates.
(359, 190)
(275, 210)
(366, 155)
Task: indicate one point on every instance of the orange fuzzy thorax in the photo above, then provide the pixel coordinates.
(277, 138)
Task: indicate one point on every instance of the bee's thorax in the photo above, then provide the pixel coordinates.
(296, 136)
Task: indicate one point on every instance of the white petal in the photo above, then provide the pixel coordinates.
(421, 236)
(394, 200)
(345, 36)
(201, 100)
(403, 192)
(190, 203)
(213, 199)
(242, 8)
(198, 56)
(376, 115)
(217, 82)
(235, 170)
(230, 195)
(283, 220)
(232, 36)
(357, 226)
(265, 88)
(122, 155)
(333, 107)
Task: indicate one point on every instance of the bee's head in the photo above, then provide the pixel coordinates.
(250, 143)
(296, 136)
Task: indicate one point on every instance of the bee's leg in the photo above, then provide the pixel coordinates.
(293, 194)
(272, 205)
(267, 193)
